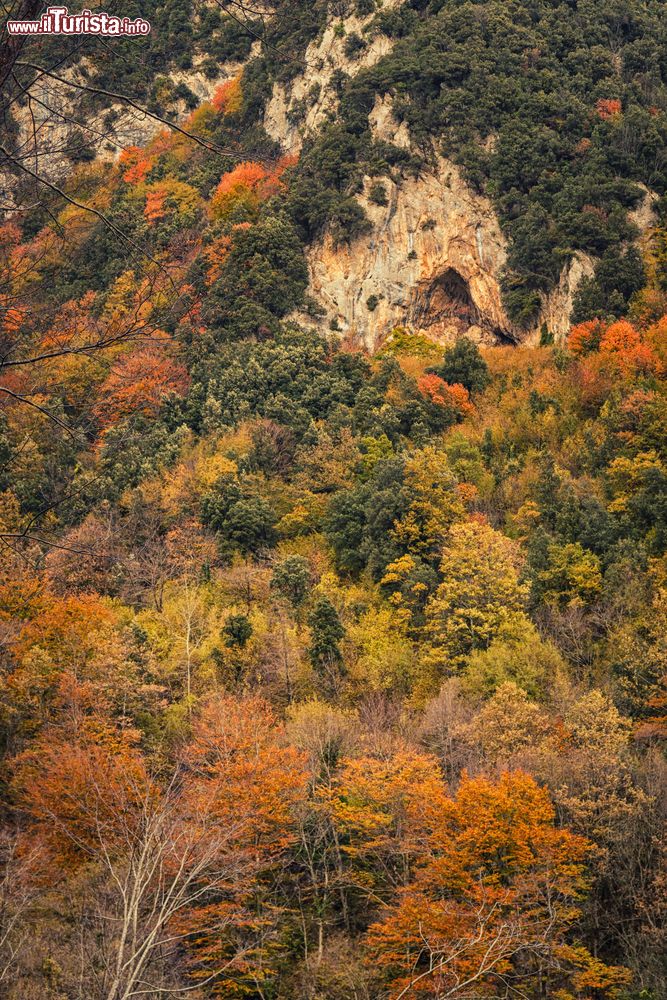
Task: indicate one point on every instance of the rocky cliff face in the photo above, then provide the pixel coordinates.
(292, 114)
(435, 254)
(434, 258)
(432, 261)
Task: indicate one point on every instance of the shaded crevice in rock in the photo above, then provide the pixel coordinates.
(443, 307)
(445, 300)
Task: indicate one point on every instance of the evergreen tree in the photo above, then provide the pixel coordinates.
(464, 364)
(326, 631)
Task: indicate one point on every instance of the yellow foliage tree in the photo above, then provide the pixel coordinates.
(480, 594)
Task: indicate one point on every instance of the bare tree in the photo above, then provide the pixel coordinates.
(161, 860)
(169, 867)
(18, 890)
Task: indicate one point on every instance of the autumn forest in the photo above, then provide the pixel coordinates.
(333, 670)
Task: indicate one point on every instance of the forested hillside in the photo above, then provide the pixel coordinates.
(327, 674)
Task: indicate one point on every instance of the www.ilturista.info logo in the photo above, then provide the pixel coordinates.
(58, 21)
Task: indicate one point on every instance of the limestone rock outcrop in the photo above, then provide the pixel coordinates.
(431, 263)
(294, 112)
(55, 108)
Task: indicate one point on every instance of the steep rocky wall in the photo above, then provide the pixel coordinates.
(294, 112)
(432, 262)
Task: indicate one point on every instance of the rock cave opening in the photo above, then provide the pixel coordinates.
(447, 300)
(445, 303)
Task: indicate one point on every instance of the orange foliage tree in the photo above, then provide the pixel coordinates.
(608, 107)
(612, 352)
(455, 397)
(139, 383)
(136, 164)
(492, 901)
(82, 783)
(167, 863)
(228, 97)
(243, 773)
(628, 349)
(73, 634)
(384, 810)
(11, 313)
(585, 337)
(247, 185)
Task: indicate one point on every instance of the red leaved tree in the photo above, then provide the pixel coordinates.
(139, 382)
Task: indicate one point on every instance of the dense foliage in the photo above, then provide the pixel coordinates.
(326, 675)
